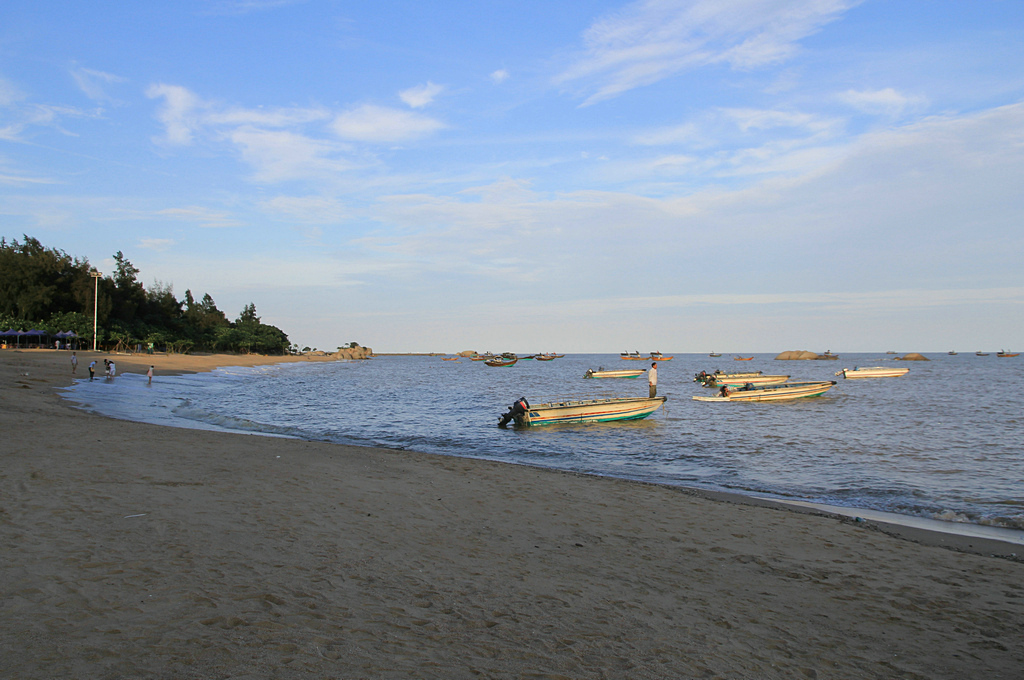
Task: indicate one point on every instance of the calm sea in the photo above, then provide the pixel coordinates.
(943, 442)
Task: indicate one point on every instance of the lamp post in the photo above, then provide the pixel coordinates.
(95, 300)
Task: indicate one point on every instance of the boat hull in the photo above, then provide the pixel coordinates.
(874, 372)
(589, 411)
(740, 379)
(625, 373)
(781, 392)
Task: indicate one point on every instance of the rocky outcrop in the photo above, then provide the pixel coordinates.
(467, 353)
(912, 356)
(353, 353)
(796, 355)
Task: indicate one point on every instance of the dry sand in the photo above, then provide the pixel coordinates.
(137, 551)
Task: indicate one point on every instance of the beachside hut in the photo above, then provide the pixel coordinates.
(10, 335)
(36, 335)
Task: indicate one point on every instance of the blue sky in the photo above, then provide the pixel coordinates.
(680, 175)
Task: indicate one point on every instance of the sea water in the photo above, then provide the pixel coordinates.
(943, 442)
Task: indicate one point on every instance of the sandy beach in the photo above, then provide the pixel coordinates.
(139, 551)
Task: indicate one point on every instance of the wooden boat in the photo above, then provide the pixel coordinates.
(981, 354)
(658, 356)
(714, 354)
(588, 410)
(625, 373)
(545, 357)
(873, 372)
(780, 392)
(952, 354)
(1007, 355)
(635, 356)
(501, 361)
(742, 358)
(718, 378)
(450, 359)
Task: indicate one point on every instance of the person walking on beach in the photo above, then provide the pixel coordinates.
(652, 379)
(74, 363)
(92, 369)
(149, 374)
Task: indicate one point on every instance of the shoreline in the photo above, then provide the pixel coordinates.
(149, 551)
(976, 538)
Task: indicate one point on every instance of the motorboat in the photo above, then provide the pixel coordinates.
(718, 378)
(580, 410)
(624, 373)
(1007, 355)
(503, 360)
(873, 372)
(779, 392)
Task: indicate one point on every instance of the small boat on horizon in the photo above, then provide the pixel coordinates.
(580, 410)
(1006, 355)
(742, 358)
(873, 372)
(714, 354)
(952, 353)
(624, 373)
(779, 392)
(503, 360)
(981, 354)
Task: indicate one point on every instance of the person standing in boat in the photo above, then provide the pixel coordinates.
(652, 379)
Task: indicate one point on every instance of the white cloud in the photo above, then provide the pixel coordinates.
(204, 217)
(306, 209)
(650, 40)
(421, 95)
(371, 123)
(499, 76)
(92, 82)
(9, 93)
(884, 102)
(157, 244)
(180, 113)
(281, 155)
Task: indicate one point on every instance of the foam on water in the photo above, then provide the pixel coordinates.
(942, 442)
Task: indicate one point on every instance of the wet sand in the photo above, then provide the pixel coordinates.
(138, 551)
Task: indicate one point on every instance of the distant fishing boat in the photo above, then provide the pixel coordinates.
(501, 361)
(545, 357)
(873, 372)
(580, 410)
(718, 378)
(981, 354)
(714, 354)
(625, 373)
(450, 359)
(952, 353)
(783, 391)
(1007, 355)
(658, 356)
(742, 358)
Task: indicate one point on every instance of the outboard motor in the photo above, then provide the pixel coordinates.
(518, 408)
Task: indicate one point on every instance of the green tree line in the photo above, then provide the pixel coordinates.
(47, 289)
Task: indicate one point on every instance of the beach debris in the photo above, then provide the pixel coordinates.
(141, 514)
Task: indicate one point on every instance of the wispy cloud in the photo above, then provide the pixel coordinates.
(421, 95)
(306, 209)
(372, 123)
(180, 112)
(885, 102)
(93, 83)
(499, 76)
(157, 244)
(650, 40)
(201, 216)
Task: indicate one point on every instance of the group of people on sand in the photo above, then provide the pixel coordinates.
(110, 369)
